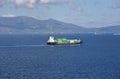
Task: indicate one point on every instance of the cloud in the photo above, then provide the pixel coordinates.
(116, 5)
(53, 1)
(33, 3)
(25, 3)
(19, 3)
(7, 15)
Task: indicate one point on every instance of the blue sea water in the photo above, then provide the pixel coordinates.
(28, 57)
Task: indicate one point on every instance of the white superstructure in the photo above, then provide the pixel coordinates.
(51, 39)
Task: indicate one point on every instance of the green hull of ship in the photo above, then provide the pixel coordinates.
(64, 41)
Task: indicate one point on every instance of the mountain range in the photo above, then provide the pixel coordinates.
(30, 25)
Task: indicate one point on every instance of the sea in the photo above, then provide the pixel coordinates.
(29, 57)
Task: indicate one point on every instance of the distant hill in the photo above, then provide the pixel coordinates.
(29, 25)
(109, 29)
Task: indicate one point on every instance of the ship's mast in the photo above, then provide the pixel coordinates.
(50, 29)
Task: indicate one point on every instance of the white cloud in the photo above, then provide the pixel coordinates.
(19, 3)
(25, 3)
(53, 1)
(8, 15)
(33, 3)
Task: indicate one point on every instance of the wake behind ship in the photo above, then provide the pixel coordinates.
(63, 41)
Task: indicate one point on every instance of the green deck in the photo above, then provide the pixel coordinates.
(64, 40)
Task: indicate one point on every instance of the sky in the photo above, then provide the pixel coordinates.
(86, 13)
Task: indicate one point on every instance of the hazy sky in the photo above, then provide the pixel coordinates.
(88, 13)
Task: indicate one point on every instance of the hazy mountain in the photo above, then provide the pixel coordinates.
(22, 24)
(109, 29)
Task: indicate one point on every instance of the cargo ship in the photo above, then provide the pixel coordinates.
(63, 41)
